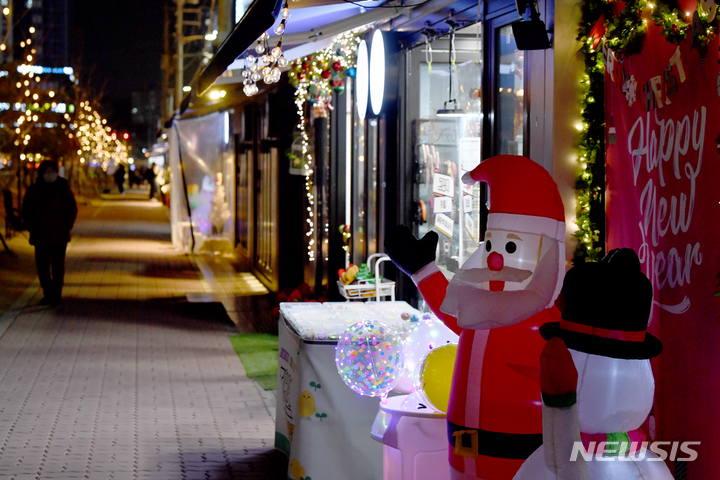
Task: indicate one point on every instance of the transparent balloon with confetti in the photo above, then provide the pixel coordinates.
(369, 358)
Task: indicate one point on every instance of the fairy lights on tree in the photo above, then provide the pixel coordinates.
(6, 21)
(31, 119)
(97, 142)
(23, 115)
(42, 115)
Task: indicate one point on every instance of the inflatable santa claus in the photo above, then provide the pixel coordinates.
(496, 302)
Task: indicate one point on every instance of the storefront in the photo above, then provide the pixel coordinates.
(230, 183)
(395, 161)
(268, 214)
(458, 90)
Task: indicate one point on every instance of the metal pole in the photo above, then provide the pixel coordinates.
(180, 53)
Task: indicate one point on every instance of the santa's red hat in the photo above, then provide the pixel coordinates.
(523, 196)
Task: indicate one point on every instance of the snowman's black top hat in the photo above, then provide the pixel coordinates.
(605, 309)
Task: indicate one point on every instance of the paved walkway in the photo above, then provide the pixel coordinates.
(126, 379)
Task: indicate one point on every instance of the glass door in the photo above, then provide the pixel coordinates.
(372, 198)
(505, 98)
(243, 203)
(265, 191)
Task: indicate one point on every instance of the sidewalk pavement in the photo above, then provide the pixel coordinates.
(126, 379)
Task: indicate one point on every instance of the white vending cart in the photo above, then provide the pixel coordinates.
(322, 425)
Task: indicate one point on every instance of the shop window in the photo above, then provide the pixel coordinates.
(447, 141)
(510, 113)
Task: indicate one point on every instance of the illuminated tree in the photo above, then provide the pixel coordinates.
(46, 114)
(32, 102)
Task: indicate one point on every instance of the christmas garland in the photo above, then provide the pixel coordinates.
(315, 77)
(590, 185)
(620, 28)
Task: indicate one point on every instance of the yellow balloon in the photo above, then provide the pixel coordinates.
(435, 375)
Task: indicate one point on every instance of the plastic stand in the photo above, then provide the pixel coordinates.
(414, 439)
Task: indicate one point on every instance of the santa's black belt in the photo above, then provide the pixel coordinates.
(471, 442)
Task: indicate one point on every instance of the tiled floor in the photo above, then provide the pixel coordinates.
(126, 380)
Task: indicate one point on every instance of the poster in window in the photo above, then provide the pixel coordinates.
(443, 205)
(443, 185)
(469, 149)
(444, 224)
(467, 204)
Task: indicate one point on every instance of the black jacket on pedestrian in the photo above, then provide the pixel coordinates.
(49, 211)
(119, 174)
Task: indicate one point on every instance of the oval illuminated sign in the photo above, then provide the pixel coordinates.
(362, 79)
(377, 72)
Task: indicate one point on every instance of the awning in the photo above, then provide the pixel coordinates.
(258, 18)
(307, 42)
(313, 26)
(310, 29)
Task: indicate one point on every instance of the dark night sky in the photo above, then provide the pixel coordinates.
(119, 46)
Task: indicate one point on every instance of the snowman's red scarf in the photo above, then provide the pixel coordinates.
(621, 443)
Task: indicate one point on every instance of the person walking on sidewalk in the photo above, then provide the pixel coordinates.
(151, 178)
(49, 211)
(120, 177)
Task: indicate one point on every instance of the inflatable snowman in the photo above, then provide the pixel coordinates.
(597, 384)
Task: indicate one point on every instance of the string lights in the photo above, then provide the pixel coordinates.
(314, 78)
(308, 166)
(620, 28)
(267, 63)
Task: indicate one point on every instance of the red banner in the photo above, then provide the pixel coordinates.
(662, 112)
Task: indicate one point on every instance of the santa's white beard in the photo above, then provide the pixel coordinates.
(480, 309)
